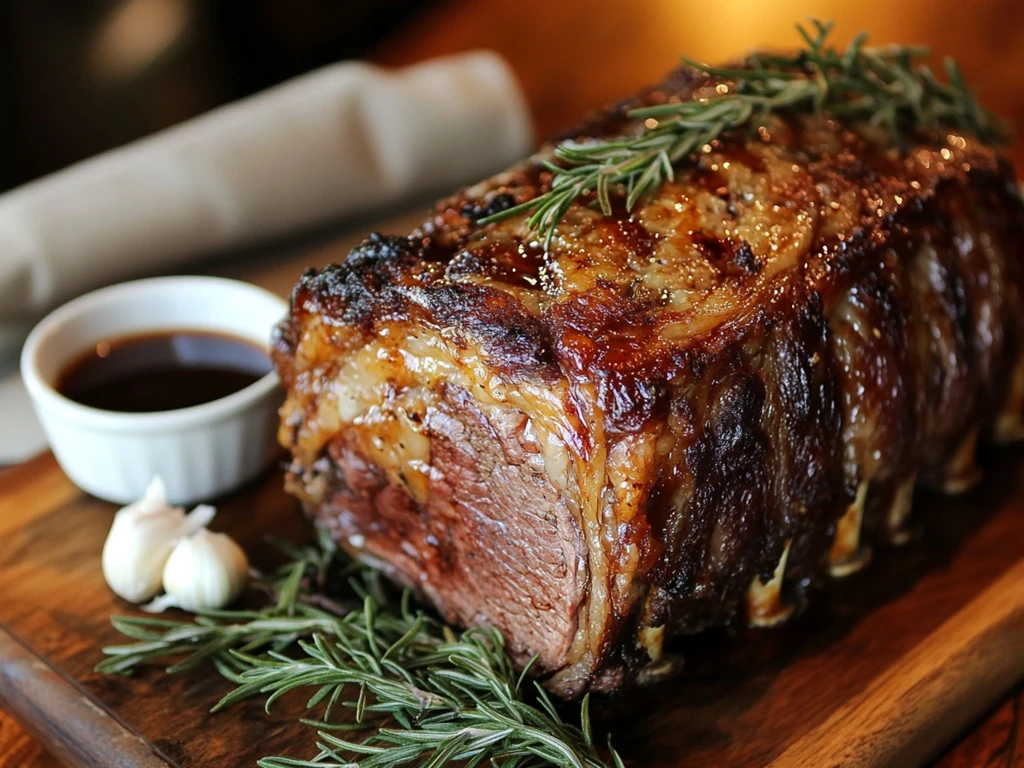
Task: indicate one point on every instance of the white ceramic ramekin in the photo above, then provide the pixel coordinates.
(201, 452)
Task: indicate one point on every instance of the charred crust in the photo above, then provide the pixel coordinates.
(378, 252)
(732, 257)
(709, 556)
(474, 211)
(463, 264)
(361, 288)
(513, 339)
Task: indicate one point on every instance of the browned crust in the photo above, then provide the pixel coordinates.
(831, 313)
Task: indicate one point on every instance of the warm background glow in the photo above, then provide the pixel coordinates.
(573, 55)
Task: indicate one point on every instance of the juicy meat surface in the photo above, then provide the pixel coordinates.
(674, 418)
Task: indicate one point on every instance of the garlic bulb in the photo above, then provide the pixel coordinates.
(205, 571)
(141, 539)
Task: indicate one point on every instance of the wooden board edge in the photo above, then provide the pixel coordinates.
(76, 729)
(923, 701)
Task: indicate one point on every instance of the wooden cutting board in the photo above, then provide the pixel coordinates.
(883, 669)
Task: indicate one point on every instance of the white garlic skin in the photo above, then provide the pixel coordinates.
(205, 571)
(141, 539)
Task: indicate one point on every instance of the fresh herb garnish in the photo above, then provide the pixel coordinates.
(421, 693)
(886, 87)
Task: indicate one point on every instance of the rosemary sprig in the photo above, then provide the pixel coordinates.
(213, 634)
(885, 87)
(426, 695)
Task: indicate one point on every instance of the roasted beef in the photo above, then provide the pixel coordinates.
(671, 419)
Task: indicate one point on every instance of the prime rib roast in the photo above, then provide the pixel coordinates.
(669, 419)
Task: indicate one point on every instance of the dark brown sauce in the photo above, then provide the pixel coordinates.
(162, 371)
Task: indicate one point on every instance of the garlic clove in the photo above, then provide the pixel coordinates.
(205, 571)
(139, 543)
(153, 500)
(141, 539)
(200, 517)
(159, 604)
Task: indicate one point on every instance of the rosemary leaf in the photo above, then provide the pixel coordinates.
(886, 87)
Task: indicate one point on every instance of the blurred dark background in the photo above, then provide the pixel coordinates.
(81, 76)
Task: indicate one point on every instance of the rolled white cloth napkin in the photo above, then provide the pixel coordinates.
(330, 144)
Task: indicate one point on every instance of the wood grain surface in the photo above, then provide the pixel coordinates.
(997, 742)
(889, 664)
(928, 693)
(70, 723)
(19, 749)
